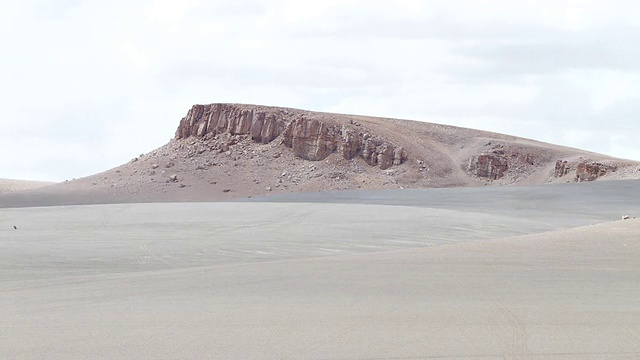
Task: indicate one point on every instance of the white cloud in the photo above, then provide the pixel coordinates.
(169, 11)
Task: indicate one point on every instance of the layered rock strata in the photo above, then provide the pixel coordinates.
(490, 166)
(310, 139)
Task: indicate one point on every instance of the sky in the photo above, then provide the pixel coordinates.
(88, 85)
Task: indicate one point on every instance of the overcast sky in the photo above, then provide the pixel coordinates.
(88, 85)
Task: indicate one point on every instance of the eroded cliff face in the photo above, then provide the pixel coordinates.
(309, 139)
(489, 166)
(216, 119)
(498, 161)
(583, 170)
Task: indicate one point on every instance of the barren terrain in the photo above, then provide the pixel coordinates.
(11, 185)
(229, 151)
(237, 240)
(435, 273)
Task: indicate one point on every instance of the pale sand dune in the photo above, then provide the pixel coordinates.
(12, 185)
(321, 281)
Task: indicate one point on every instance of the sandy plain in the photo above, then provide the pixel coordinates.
(539, 272)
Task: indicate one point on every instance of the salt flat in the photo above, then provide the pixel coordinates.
(327, 280)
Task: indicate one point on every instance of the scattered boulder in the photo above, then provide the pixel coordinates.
(337, 175)
(173, 178)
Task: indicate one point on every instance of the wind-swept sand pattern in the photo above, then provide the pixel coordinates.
(323, 280)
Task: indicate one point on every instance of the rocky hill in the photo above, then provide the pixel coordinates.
(224, 151)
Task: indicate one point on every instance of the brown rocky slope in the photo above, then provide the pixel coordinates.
(224, 151)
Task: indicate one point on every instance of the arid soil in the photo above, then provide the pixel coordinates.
(229, 151)
(10, 185)
(448, 277)
(429, 254)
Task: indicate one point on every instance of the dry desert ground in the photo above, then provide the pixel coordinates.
(12, 186)
(533, 272)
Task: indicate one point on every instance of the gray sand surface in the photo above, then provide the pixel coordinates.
(435, 274)
(562, 204)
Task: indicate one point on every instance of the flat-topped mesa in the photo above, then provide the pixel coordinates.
(310, 139)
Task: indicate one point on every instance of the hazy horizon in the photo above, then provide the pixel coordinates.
(89, 85)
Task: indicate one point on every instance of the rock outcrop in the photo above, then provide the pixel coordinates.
(214, 119)
(506, 162)
(309, 139)
(315, 140)
(489, 166)
(591, 171)
(561, 169)
(584, 170)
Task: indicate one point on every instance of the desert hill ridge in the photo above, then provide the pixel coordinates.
(14, 185)
(225, 151)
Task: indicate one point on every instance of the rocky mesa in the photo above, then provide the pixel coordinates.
(309, 139)
(227, 151)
